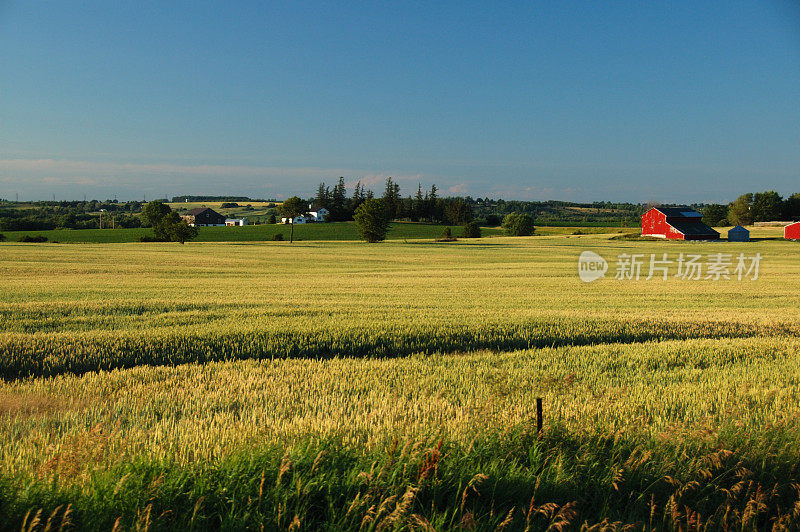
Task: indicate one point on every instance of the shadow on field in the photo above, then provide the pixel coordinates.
(26, 355)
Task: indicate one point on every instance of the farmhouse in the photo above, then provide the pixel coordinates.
(236, 222)
(316, 215)
(676, 224)
(792, 231)
(738, 234)
(296, 220)
(204, 217)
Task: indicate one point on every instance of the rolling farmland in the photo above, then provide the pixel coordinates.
(339, 385)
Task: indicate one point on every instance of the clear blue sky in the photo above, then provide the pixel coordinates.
(677, 101)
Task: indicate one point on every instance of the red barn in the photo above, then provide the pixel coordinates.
(792, 231)
(676, 224)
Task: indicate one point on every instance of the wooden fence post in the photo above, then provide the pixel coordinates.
(539, 416)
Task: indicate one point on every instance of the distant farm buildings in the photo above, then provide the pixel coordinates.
(738, 234)
(235, 222)
(204, 217)
(792, 231)
(317, 215)
(676, 224)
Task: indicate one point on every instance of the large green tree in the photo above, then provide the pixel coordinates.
(517, 224)
(715, 215)
(767, 206)
(171, 228)
(292, 208)
(740, 211)
(792, 207)
(182, 231)
(154, 211)
(372, 220)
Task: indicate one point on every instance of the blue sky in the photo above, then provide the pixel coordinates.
(624, 101)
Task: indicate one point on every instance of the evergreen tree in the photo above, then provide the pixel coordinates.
(434, 206)
(791, 208)
(398, 203)
(418, 207)
(358, 198)
(390, 199)
(338, 202)
(323, 197)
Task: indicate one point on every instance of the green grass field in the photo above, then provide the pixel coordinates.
(330, 231)
(339, 385)
(252, 233)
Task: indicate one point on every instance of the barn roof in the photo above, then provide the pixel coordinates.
(693, 228)
(679, 212)
(200, 210)
(738, 229)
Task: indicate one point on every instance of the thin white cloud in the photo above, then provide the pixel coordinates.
(33, 176)
(68, 167)
(458, 190)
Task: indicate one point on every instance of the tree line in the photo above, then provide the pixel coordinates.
(373, 215)
(46, 215)
(425, 206)
(754, 207)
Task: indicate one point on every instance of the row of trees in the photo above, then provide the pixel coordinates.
(46, 215)
(425, 206)
(748, 208)
(372, 216)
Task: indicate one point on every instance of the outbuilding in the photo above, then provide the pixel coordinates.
(792, 231)
(676, 224)
(236, 222)
(738, 234)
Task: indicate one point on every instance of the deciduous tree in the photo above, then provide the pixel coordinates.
(516, 224)
(372, 220)
(292, 208)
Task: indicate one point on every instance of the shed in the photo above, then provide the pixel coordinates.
(792, 231)
(676, 224)
(738, 234)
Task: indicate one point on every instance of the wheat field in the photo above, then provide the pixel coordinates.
(339, 385)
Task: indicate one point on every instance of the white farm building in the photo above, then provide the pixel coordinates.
(318, 215)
